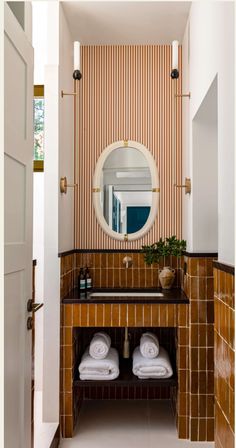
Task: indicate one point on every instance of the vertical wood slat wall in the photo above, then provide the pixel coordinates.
(126, 93)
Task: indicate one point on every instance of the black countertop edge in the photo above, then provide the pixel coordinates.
(129, 251)
(174, 296)
(95, 251)
(200, 254)
(229, 268)
(67, 252)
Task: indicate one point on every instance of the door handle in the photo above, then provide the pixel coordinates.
(33, 307)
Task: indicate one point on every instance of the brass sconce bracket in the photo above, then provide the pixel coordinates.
(64, 185)
(67, 94)
(187, 185)
(183, 95)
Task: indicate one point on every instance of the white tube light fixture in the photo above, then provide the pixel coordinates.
(77, 74)
(76, 55)
(175, 59)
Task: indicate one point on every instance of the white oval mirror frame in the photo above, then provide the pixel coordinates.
(97, 190)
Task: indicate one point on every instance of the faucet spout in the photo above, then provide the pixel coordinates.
(127, 261)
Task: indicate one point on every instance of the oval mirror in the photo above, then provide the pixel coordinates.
(126, 190)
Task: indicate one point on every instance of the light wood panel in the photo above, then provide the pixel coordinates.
(126, 93)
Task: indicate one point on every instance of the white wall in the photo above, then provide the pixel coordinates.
(38, 255)
(58, 220)
(66, 135)
(208, 50)
(205, 174)
(51, 341)
(39, 41)
(1, 227)
(39, 16)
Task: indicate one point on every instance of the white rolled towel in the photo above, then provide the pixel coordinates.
(149, 345)
(159, 367)
(99, 369)
(100, 345)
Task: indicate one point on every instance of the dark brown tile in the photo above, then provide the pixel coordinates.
(131, 315)
(104, 277)
(97, 260)
(91, 314)
(202, 429)
(97, 278)
(210, 429)
(110, 278)
(110, 260)
(195, 382)
(123, 278)
(68, 428)
(183, 432)
(142, 278)
(194, 422)
(116, 278)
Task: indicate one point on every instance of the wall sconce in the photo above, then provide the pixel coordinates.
(175, 59)
(64, 185)
(187, 185)
(63, 181)
(175, 76)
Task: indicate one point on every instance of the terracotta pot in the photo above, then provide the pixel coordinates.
(166, 277)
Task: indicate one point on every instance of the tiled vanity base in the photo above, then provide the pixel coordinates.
(194, 323)
(116, 315)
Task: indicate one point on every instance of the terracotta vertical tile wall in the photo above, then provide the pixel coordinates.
(125, 93)
(224, 358)
(198, 285)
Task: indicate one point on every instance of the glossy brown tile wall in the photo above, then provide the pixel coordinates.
(67, 274)
(224, 358)
(182, 350)
(108, 270)
(198, 285)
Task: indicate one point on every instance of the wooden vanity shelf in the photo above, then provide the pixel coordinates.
(126, 378)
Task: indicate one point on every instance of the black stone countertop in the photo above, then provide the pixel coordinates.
(172, 296)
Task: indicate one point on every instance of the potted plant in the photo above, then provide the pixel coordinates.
(163, 248)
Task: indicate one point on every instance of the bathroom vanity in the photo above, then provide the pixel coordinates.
(114, 310)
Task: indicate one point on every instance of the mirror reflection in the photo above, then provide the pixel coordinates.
(126, 190)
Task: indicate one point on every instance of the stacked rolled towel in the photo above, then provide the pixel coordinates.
(106, 364)
(145, 364)
(100, 345)
(149, 345)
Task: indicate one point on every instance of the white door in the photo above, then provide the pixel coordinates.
(18, 105)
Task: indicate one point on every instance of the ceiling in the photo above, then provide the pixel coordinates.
(126, 22)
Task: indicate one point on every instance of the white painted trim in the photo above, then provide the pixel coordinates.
(155, 195)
